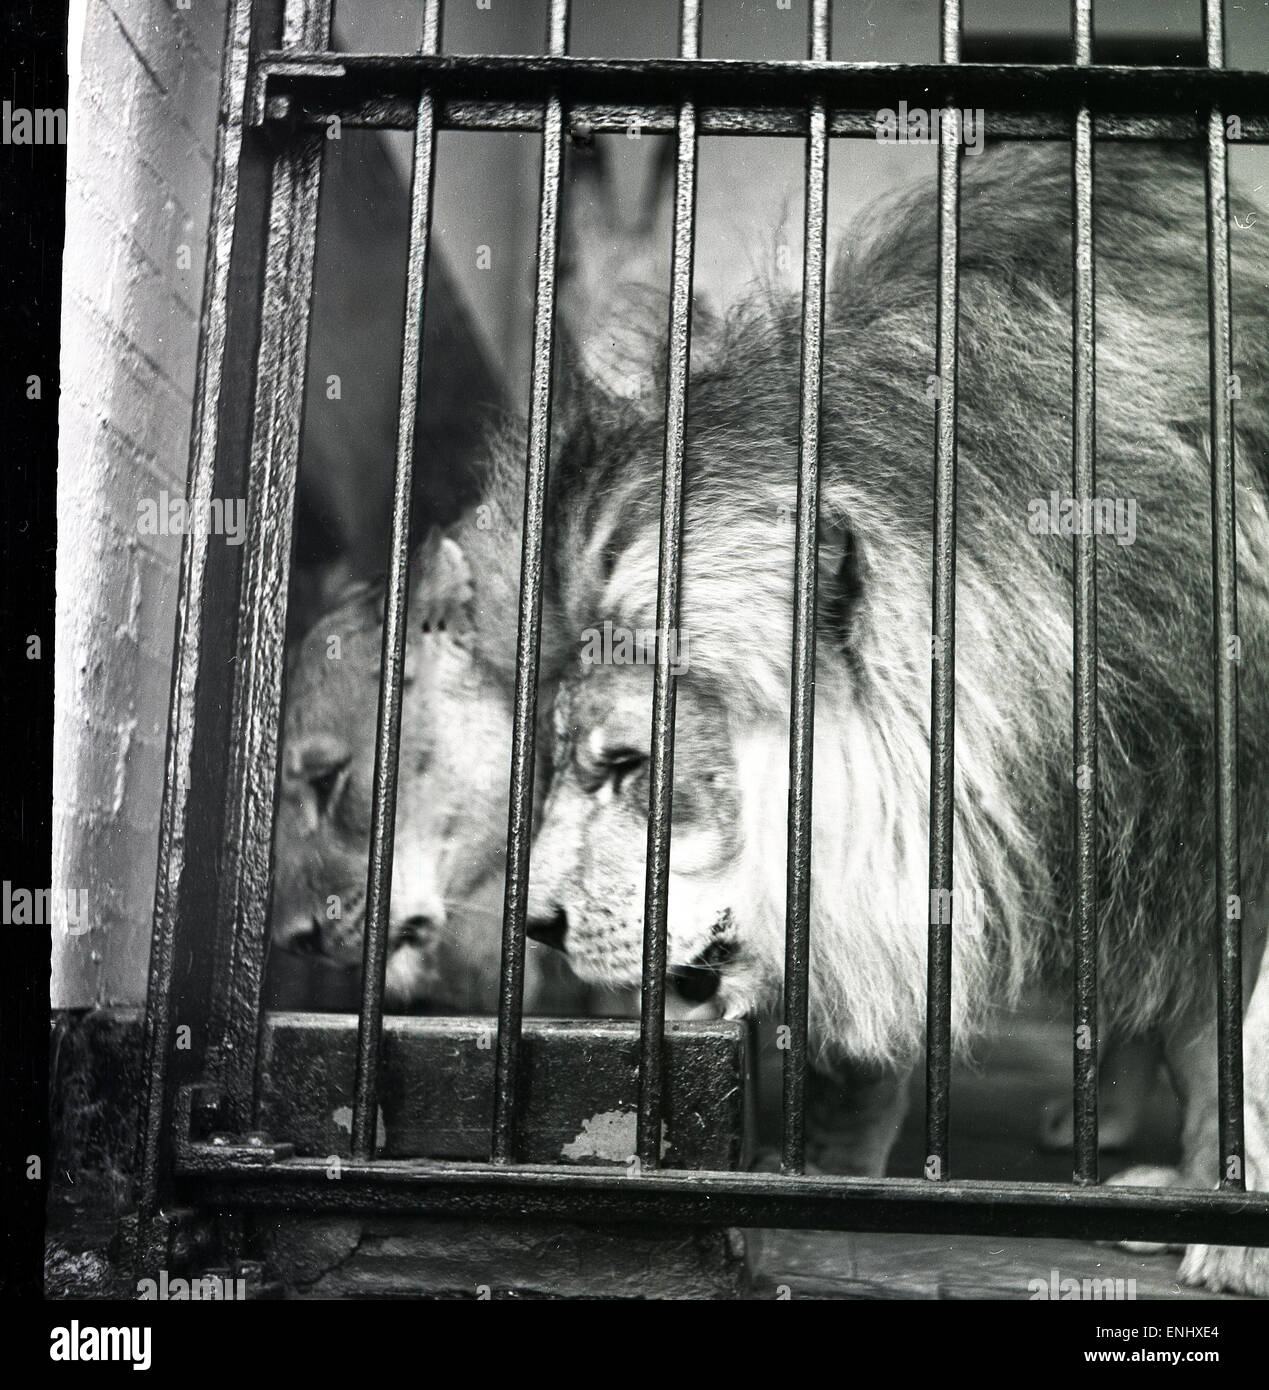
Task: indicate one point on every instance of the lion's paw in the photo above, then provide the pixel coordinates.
(1227, 1269)
(1147, 1175)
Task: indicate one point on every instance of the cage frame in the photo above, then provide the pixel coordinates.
(282, 85)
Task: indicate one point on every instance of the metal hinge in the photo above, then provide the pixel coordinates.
(204, 1141)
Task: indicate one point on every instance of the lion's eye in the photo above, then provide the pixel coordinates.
(621, 764)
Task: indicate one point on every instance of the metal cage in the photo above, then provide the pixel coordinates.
(281, 85)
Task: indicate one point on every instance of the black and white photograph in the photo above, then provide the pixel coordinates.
(655, 662)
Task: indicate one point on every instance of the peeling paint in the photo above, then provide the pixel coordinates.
(611, 1135)
(342, 1119)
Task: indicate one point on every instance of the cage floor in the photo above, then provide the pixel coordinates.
(997, 1108)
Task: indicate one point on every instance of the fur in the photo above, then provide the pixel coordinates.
(1014, 798)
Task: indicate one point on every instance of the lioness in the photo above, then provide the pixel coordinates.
(452, 791)
(1014, 774)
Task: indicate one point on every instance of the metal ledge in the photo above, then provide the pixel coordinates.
(381, 91)
(731, 1199)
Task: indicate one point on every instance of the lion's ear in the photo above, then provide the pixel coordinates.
(441, 588)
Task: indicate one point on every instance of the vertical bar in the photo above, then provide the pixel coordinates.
(392, 665)
(661, 778)
(529, 633)
(1085, 625)
(797, 950)
(938, 1006)
(237, 995)
(1229, 1019)
(228, 217)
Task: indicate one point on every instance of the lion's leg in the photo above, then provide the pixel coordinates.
(854, 1113)
(1189, 1052)
(1234, 1269)
(1126, 1072)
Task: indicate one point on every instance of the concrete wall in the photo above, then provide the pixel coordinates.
(141, 131)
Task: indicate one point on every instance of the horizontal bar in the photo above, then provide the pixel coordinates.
(730, 1199)
(462, 113)
(777, 84)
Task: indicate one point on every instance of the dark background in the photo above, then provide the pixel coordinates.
(32, 222)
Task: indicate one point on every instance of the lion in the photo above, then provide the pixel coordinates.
(1014, 785)
(451, 817)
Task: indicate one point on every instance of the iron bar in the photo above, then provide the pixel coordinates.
(1083, 406)
(270, 474)
(1225, 655)
(177, 813)
(361, 106)
(529, 631)
(938, 1008)
(669, 573)
(734, 1199)
(783, 86)
(392, 665)
(797, 956)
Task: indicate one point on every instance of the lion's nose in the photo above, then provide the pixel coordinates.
(550, 931)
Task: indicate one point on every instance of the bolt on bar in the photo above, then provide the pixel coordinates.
(1229, 1020)
(938, 1006)
(797, 952)
(1085, 624)
(392, 664)
(661, 770)
(529, 631)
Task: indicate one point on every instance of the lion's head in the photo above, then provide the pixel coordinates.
(587, 890)
(451, 801)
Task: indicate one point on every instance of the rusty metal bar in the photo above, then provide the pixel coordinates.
(245, 868)
(938, 1008)
(222, 314)
(383, 88)
(529, 634)
(797, 953)
(661, 765)
(361, 105)
(1225, 655)
(741, 1199)
(1083, 406)
(392, 666)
